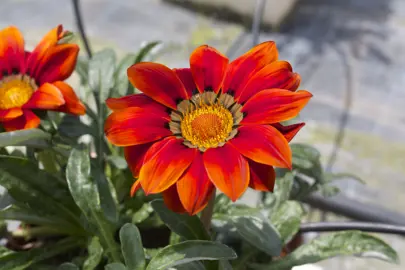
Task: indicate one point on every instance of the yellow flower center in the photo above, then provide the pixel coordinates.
(207, 126)
(15, 91)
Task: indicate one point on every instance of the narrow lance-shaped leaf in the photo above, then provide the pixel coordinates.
(189, 227)
(122, 86)
(85, 193)
(257, 230)
(146, 50)
(131, 247)
(68, 266)
(95, 254)
(107, 201)
(25, 137)
(282, 191)
(101, 73)
(30, 217)
(115, 266)
(82, 67)
(287, 219)
(22, 260)
(189, 251)
(196, 265)
(336, 244)
(36, 189)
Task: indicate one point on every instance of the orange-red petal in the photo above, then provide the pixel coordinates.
(273, 106)
(164, 163)
(47, 96)
(262, 177)
(208, 67)
(135, 187)
(158, 82)
(58, 64)
(263, 144)
(228, 170)
(194, 187)
(290, 131)
(11, 50)
(242, 69)
(135, 100)
(34, 59)
(134, 126)
(25, 121)
(275, 75)
(134, 156)
(186, 78)
(10, 114)
(172, 200)
(72, 103)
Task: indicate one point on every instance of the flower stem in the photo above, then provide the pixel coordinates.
(206, 215)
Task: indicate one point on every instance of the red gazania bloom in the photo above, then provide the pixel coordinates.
(215, 124)
(34, 80)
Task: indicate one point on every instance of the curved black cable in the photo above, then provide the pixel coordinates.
(359, 226)
(79, 24)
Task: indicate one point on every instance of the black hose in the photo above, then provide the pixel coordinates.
(359, 226)
(79, 24)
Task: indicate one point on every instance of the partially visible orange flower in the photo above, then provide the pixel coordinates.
(34, 80)
(215, 124)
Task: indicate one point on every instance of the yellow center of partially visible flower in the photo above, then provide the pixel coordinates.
(15, 91)
(207, 126)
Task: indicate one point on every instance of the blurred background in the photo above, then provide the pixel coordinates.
(350, 54)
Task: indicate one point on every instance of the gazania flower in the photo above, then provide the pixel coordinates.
(215, 124)
(34, 80)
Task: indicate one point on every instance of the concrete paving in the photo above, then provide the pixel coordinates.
(347, 51)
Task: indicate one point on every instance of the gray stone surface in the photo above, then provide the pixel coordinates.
(334, 45)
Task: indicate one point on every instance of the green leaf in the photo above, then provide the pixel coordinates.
(131, 247)
(107, 201)
(146, 50)
(337, 244)
(22, 260)
(287, 219)
(196, 265)
(101, 73)
(95, 254)
(82, 67)
(189, 227)
(222, 204)
(37, 179)
(122, 86)
(305, 151)
(30, 217)
(282, 190)
(142, 214)
(30, 137)
(5, 251)
(118, 162)
(115, 266)
(37, 189)
(189, 251)
(68, 266)
(85, 193)
(283, 187)
(258, 231)
(48, 159)
(225, 265)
